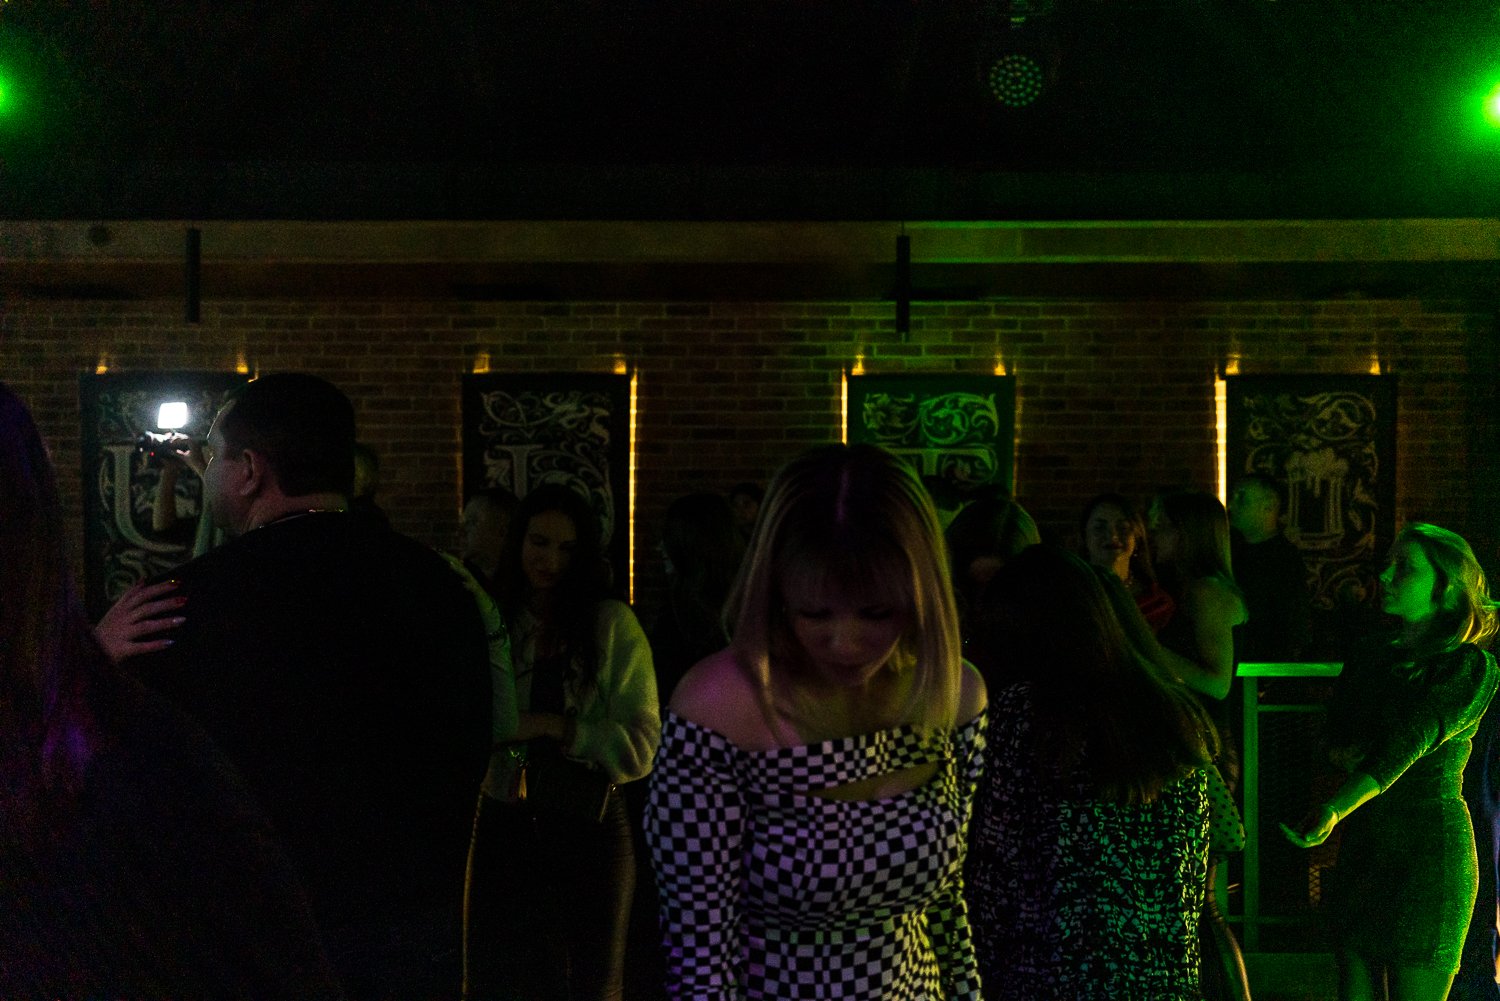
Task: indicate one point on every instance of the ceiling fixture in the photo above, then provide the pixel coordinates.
(1017, 58)
(1016, 79)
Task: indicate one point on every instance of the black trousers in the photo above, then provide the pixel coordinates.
(549, 904)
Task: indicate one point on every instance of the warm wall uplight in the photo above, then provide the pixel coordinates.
(859, 365)
(623, 368)
(1015, 453)
(1232, 366)
(630, 519)
(999, 365)
(1221, 435)
(242, 364)
(1375, 368)
(844, 407)
(481, 363)
(103, 365)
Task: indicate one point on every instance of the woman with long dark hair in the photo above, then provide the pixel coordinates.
(132, 861)
(1400, 722)
(981, 539)
(703, 549)
(586, 694)
(1088, 854)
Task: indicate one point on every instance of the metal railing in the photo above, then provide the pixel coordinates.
(1253, 917)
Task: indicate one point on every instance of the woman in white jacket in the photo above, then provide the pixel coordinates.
(585, 693)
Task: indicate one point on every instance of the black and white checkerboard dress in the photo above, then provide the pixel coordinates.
(770, 892)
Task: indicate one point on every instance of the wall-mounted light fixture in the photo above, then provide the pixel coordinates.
(635, 379)
(844, 406)
(903, 284)
(1221, 431)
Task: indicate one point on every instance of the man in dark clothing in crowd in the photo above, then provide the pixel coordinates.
(1268, 568)
(362, 503)
(343, 669)
(486, 521)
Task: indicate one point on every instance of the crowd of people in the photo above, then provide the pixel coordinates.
(866, 750)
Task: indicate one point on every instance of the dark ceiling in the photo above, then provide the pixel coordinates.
(726, 109)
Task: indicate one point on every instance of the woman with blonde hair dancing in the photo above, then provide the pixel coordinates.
(809, 802)
(1399, 723)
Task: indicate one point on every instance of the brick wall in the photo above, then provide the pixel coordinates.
(1111, 395)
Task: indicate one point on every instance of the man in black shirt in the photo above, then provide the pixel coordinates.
(1268, 568)
(343, 669)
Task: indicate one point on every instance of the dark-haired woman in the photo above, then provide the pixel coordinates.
(1190, 535)
(586, 694)
(984, 536)
(133, 863)
(1114, 539)
(1092, 826)
(703, 548)
(1400, 722)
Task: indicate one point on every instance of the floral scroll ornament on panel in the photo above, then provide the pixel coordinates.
(1324, 445)
(949, 434)
(536, 437)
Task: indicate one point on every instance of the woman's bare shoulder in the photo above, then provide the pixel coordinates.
(1217, 597)
(973, 698)
(718, 694)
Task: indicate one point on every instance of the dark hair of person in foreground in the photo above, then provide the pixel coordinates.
(1111, 714)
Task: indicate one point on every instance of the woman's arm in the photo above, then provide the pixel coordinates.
(1139, 633)
(694, 824)
(948, 916)
(619, 725)
(1453, 696)
(1214, 610)
(1315, 828)
(504, 718)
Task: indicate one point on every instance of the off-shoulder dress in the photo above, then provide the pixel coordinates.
(769, 890)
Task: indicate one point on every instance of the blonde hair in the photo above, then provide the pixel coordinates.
(1471, 616)
(859, 516)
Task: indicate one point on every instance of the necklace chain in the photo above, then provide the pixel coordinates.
(294, 515)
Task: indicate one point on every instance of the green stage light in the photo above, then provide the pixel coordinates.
(1492, 106)
(10, 96)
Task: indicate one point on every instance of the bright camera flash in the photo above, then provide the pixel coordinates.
(172, 416)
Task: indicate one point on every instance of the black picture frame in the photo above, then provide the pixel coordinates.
(523, 430)
(1330, 440)
(960, 428)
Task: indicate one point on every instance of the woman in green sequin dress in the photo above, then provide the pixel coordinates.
(1399, 722)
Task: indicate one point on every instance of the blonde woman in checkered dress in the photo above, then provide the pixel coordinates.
(810, 799)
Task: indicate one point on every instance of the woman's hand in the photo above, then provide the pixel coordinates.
(533, 725)
(143, 612)
(1314, 828)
